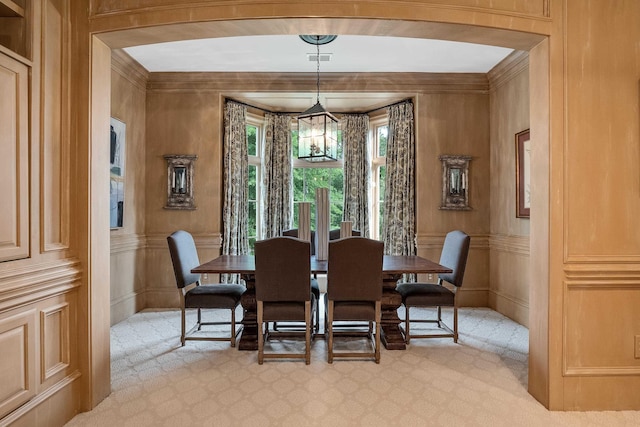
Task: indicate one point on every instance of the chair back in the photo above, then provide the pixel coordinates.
(454, 255)
(335, 234)
(293, 232)
(283, 269)
(184, 257)
(355, 269)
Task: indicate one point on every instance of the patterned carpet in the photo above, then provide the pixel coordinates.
(481, 381)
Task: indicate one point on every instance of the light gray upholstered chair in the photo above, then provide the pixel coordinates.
(184, 257)
(454, 256)
(354, 290)
(283, 290)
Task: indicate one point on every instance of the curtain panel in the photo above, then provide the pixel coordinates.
(277, 175)
(235, 176)
(355, 129)
(399, 205)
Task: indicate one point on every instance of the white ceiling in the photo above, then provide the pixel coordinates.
(288, 53)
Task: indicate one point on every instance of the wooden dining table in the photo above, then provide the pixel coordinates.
(393, 267)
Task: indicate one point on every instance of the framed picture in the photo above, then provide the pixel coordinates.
(523, 174)
(117, 138)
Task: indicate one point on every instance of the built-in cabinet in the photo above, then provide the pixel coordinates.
(15, 17)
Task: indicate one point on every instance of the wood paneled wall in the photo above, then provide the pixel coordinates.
(584, 116)
(509, 241)
(40, 274)
(127, 261)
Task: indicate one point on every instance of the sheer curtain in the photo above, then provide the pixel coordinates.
(276, 181)
(355, 128)
(399, 208)
(235, 175)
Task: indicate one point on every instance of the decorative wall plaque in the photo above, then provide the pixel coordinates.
(180, 181)
(455, 182)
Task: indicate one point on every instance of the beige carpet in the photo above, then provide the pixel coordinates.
(481, 381)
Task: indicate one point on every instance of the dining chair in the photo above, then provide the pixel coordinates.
(283, 290)
(454, 256)
(335, 234)
(315, 287)
(354, 291)
(193, 294)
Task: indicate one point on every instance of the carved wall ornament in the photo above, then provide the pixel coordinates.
(180, 181)
(455, 182)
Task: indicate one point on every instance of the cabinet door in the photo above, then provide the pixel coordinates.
(14, 159)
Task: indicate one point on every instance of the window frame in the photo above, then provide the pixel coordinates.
(377, 162)
(257, 122)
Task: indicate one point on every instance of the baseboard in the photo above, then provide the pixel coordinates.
(511, 307)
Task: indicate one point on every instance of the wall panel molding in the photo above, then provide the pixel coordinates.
(127, 242)
(23, 285)
(129, 69)
(203, 241)
(510, 244)
(509, 68)
(14, 159)
(278, 82)
(55, 348)
(18, 363)
(54, 130)
(436, 241)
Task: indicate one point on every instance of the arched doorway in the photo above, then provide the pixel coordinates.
(536, 44)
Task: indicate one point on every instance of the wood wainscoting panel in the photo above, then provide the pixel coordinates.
(602, 320)
(54, 139)
(18, 361)
(14, 159)
(55, 354)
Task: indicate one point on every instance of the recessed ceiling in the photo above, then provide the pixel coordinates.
(288, 53)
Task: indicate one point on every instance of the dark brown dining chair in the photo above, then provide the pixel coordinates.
(315, 287)
(193, 294)
(335, 234)
(354, 290)
(454, 256)
(283, 290)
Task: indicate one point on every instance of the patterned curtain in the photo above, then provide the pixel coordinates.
(235, 175)
(276, 181)
(355, 128)
(399, 208)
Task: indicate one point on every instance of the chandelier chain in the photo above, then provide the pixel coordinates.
(318, 70)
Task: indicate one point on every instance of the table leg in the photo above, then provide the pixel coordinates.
(249, 337)
(391, 336)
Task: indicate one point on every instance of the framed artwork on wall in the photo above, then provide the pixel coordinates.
(117, 139)
(523, 174)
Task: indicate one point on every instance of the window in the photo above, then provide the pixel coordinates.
(254, 134)
(308, 176)
(380, 133)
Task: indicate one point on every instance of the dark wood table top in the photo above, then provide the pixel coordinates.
(392, 264)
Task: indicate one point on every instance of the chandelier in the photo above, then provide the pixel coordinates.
(317, 128)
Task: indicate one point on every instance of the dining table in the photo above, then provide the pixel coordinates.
(393, 267)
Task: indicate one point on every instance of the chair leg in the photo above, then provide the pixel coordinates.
(439, 317)
(407, 335)
(199, 319)
(260, 336)
(183, 326)
(378, 316)
(455, 324)
(317, 325)
(329, 322)
(233, 327)
(307, 332)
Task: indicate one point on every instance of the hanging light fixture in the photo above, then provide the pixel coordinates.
(317, 128)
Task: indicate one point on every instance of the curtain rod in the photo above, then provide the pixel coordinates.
(388, 105)
(299, 112)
